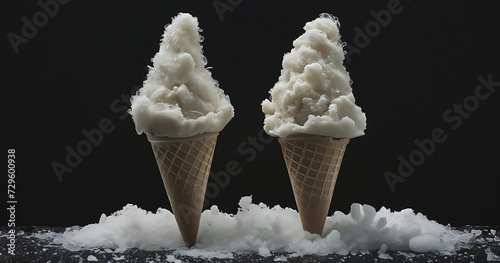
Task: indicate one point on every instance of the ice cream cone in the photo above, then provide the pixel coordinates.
(313, 163)
(184, 165)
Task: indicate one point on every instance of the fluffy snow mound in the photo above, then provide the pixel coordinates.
(265, 230)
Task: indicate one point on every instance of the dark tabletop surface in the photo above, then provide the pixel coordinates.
(31, 249)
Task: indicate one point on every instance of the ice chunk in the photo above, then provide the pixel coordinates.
(490, 256)
(425, 243)
(170, 258)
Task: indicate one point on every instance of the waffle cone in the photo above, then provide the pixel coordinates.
(184, 165)
(313, 163)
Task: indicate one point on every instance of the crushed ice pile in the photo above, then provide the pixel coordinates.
(264, 230)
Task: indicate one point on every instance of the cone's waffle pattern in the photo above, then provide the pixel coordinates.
(184, 165)
(313, 163)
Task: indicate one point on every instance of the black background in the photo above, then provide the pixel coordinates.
(74, 72)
